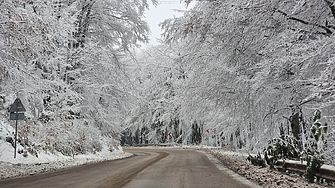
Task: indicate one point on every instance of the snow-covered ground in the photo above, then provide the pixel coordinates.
(45, 162)
(265, 177)
(51, 163)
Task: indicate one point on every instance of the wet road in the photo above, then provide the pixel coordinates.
(148, 168)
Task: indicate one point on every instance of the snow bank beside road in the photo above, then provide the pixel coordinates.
(267, 178)
(45, 162)
(10, 170)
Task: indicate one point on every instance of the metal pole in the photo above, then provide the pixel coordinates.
(208, 139)
(216, 143)
(15, 139)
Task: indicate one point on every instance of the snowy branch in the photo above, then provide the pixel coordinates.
(328, 31)
(331, 5)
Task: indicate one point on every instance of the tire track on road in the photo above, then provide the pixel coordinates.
(121, 179)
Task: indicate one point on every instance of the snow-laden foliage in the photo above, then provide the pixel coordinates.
(250, 67)
(65, 60)
(155, 113)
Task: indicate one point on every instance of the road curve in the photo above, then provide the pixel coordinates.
(148, 168)
(184, 169)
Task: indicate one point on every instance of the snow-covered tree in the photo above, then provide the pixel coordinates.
(64, 59)
(156, 81)
(251, 63)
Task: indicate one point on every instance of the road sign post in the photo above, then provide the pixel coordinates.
(16, 113)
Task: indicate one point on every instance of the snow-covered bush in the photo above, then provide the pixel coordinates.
(284, 147)
(315, 147)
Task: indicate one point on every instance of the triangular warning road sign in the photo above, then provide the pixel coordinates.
(17, 106)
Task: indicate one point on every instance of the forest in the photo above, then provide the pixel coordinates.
(229, 73)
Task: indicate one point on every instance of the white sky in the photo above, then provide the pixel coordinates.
(158, 14)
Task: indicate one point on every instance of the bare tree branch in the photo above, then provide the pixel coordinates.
(331, 5)
(328, 31)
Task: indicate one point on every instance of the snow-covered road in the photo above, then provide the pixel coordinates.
(151, 167)
(185, 168)
(148, 168)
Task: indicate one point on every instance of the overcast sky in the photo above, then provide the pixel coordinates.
(158, 14)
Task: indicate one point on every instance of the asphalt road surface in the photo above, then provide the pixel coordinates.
(148, 168)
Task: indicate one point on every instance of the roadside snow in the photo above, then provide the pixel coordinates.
(52, 163)
(45, 162)
(265, 177)
(234, 175)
